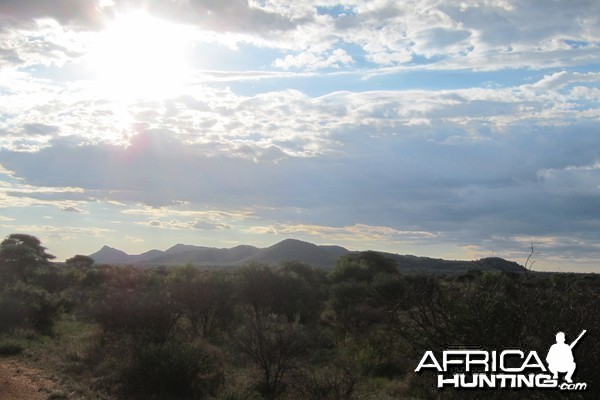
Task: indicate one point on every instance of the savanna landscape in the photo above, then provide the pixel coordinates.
(299, 200)
(77, 330)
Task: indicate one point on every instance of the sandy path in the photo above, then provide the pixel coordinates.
(19, 381)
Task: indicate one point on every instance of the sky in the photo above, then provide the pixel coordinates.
(449, 129)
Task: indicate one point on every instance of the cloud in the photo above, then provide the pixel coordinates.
(444, 41)
(39, 129)
(134, 239)
(72, 209)
(430, 34)
(14, 193)
(208, 226)
(311, 61)
(175, 224)
(59, 232)
(516, 25)
(218, 144)
(40, 42)
(228, 15)
(561, 79)
(466, 122)
(9, 57)
(359, 233)
(411, 180)
(79, 12)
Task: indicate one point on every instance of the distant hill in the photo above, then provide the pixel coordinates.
(297, 250)
(408, 263)
(208, 256)
(287, 250)
(110, 255)
(180, 254)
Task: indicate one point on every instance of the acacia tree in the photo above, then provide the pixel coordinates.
(19, 253)
(80, 261)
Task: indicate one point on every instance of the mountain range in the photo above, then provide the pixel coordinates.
(286, 250)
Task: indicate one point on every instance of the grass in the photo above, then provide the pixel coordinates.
(11, 346)
(65, 355)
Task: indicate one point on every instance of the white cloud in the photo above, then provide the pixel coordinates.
(450, 34)
(134, 239)
(18, 194)
(244, 149)
(174, 224)
(41, 42)
(563, 78)
(359, 233)
(59, 232)
(208, 226)
(310, 61)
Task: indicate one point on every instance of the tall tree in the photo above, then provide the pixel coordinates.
(19, 253)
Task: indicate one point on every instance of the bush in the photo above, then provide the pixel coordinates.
(274, 346)
(204, 298)
(173, 370)
(144, 312)
(9, 347)
(26, 307)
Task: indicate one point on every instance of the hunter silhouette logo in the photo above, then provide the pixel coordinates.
(560, 357)
(506, 369)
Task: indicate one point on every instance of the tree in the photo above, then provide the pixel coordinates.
(26, 307)
(295, 290)
(80, 261)
(356, 280)
(363, 266)
(19, 253)
(274, 345)
(175, 369)
(139, 307)
(261, 288)
(305, 292)
(205, 298)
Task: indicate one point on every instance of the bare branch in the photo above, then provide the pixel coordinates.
(529, 262)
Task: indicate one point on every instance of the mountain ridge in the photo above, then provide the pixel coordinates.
(323, 256)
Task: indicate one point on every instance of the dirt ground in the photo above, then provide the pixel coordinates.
(19, 381)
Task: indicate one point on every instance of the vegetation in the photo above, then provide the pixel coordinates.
(278, 332)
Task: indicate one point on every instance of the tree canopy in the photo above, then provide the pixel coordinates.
(22, 249)
(19, 252)
(80, 261)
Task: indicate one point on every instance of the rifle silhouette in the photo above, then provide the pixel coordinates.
(577, 340)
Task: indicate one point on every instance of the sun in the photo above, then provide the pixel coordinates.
(140, 56)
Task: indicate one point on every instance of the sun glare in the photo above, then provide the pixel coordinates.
(140, 56)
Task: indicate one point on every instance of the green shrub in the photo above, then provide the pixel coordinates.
(173, 370)
(10, 347)
(145, 313)
(26, 307)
